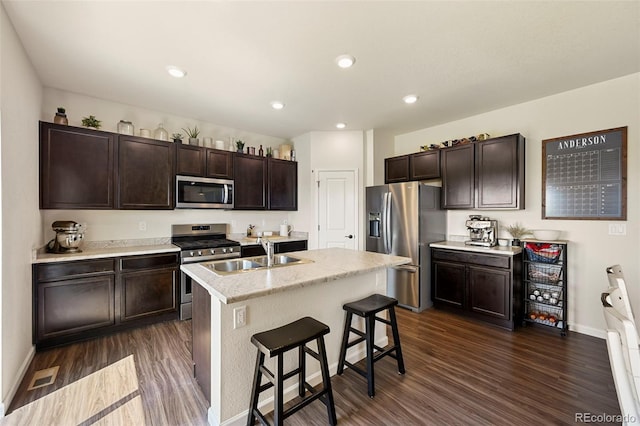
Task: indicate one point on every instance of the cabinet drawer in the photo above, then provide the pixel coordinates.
(473, 258)
(290, 246)
(148, 262)
(65, 270)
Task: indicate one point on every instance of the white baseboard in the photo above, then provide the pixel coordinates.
(292, 391)
(4, 405)
(589, 331)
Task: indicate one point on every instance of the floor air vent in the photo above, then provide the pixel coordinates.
(43, 378)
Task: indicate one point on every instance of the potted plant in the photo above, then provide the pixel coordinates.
(517, 231)
(91, 122)
(269, 152)
(61, 117)
(177, 137)
(192, 134)
(239, 145)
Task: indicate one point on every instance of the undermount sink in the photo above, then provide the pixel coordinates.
(236, 266)
(233, 265)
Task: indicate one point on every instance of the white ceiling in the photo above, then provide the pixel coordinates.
(461, 57)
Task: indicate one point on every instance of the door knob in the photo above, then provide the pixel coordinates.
(349, 236)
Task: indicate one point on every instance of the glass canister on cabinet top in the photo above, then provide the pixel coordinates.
(125, 127)
(160, 133)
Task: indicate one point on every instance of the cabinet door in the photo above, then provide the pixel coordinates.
(252, 250)
(76, 168)
(500, 173)
(145, 173)
(396, 169)
(219, 164)
(458, 177)
(147, 293)
(201, 332)
(287, 246)
(449, 284)
(424, 165)
(283, 184)
(75, 305)
(190, 160)
(490, 292)
(250, 182)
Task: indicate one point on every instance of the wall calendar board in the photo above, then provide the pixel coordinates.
(584, 176)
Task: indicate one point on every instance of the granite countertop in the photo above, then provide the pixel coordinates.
(249, 241)
(459, 245)
(327, 265)
(115, 248)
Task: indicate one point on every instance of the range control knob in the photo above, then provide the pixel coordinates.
(213, 251)
(224, 250)
(191, 254)
(199, 252)
(231, 250)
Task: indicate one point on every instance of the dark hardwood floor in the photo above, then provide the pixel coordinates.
(458, 372)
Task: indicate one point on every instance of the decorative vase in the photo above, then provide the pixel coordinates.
(61, 117)
(515, 242)
(194, 141)
(160, 133)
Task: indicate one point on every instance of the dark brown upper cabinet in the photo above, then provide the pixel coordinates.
(486, 175)
(145, 173)
(282, 187)
(204, 162)
(396, 169)
(424, 165)
(458, 167)
(76, 168)
(418, 166)
(250, 182)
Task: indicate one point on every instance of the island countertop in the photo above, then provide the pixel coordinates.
(326, 265)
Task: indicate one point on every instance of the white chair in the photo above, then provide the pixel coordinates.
(622, 345)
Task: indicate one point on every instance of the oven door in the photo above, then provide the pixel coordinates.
(203, 193)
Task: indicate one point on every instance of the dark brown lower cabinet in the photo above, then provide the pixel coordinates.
(81, 299)
(485, 286)
(281, 247)
(201, 340)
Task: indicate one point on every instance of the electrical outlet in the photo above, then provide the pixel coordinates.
(239, 317)
(142, 225)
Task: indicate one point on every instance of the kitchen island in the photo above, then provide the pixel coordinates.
(271, 298)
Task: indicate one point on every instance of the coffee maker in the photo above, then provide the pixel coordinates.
(67, 239)
(482, 231)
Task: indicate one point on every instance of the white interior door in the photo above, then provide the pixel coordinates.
(337, 211)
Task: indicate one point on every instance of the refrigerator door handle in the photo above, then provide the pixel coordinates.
(386, 220)
(407, 268)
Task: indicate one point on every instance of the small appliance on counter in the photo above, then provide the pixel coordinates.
(67, 239)
(482, 231)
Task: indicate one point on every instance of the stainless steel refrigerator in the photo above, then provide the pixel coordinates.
(403, 218)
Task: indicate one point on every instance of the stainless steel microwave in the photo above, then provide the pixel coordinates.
(203, 193)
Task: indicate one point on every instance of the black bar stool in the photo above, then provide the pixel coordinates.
(368, 308)
(275, 343)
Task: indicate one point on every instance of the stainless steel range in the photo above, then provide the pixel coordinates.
(200, 243)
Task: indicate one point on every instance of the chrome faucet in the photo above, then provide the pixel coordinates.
(268, 248)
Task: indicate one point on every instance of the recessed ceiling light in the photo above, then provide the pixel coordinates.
(341, 125)
(345, 61)
(176, 72)
(410, 99)
(277, 105)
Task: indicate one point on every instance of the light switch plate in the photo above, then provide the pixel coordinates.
(617, 229)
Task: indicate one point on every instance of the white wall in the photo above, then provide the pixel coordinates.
(121, 224)
(339, 150)
(21, 231)
(606, 105)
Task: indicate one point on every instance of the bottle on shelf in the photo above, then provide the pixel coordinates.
(160, 133)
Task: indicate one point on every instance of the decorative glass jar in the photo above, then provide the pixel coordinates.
(161, 133)
(125, 127)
